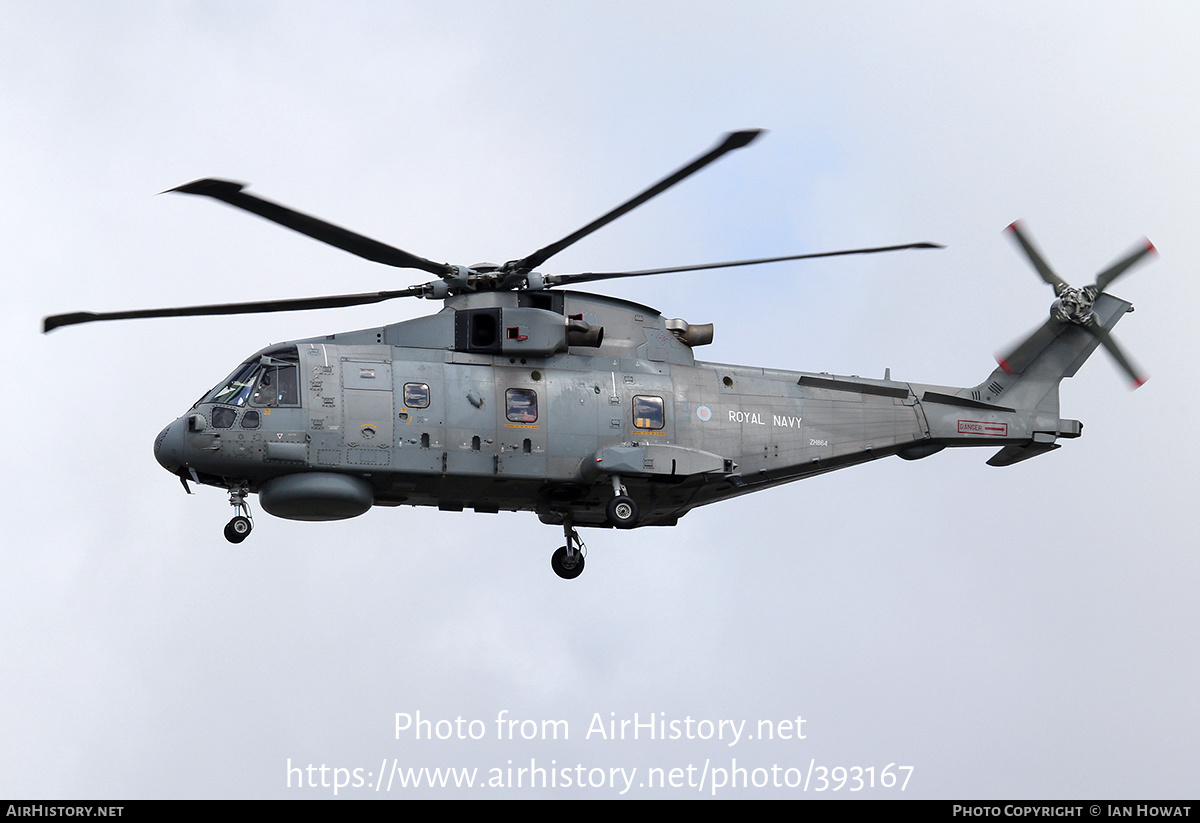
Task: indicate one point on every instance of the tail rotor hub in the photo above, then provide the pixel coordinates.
(1074, 305)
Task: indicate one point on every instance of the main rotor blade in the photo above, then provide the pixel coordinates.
(233, 194)
(732, 141)
(1109, 343)
(584, 277)
(1120, 267)
(334, 301)
(1035, 257)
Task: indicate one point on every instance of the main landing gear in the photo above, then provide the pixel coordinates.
(567, 561)
(238, 529)
(622, 511)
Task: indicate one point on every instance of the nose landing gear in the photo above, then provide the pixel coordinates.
(238, 529)
(567, 561)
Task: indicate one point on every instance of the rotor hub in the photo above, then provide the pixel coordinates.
(1074, 305)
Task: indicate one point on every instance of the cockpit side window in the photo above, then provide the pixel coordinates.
(277, 386)
(267, 380)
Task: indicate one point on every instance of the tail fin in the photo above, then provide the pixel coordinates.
(1029, 377)
(1017, 405)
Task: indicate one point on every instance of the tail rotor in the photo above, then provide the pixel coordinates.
(1073, 306)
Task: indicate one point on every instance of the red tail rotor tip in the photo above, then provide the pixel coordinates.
(1150, 247)
(1013, 226)
(1004, 364)
(1138, 383)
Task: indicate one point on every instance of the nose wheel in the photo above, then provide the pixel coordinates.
(567, 561)
(239, 528)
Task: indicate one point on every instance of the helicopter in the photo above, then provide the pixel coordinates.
(589, 410)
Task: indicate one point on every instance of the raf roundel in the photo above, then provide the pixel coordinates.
(704, 413)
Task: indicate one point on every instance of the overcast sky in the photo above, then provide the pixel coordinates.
(1028, 631)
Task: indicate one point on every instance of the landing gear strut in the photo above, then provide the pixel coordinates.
(238, 529)
(622, 511)
(567, 561)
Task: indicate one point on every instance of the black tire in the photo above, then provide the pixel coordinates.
(622, 512)
(558, 562)
(238, 529)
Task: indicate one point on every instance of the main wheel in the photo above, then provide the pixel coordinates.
(237, 529)
(622, 512)
(568, 568)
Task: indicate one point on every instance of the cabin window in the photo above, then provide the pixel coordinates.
(250, 420)
(648, 412)
(416, 395)
(521, 405)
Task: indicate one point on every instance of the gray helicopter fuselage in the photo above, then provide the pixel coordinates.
(588, 410)
(490, 405)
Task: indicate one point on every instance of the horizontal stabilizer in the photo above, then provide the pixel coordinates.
(1017, 452)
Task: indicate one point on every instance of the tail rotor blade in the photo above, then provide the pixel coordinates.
(1036, 258)
(1120, 267)
(1109, 343)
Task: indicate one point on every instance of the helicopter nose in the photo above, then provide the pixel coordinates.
(168, 447)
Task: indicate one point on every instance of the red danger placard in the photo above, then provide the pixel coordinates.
(979, 427)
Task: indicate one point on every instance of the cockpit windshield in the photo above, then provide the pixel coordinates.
(236, 390)
(267, 380)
